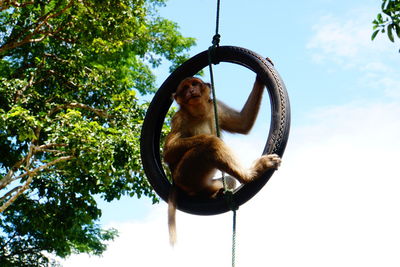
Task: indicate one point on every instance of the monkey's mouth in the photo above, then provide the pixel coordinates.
(195, 99)
(194, 96)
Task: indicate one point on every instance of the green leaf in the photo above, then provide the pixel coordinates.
(374, 34)
(397, 30)
(390, 32)
(379, 18)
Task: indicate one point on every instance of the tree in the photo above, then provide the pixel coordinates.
(389, 20)
(71, 72)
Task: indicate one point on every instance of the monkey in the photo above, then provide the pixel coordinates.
(194, 153)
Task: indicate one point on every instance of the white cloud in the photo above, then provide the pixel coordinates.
(334, 202)
(346, 39)
(346, 42)
(338, 39)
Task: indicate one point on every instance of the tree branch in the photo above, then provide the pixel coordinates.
(19, 192)
(48, 146)
(9, 193)
(8, 178)
(31, 174)
(98, 112)
(19, 93)
(42, 21)
(42, 167)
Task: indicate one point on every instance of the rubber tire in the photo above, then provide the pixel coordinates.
(159, 106)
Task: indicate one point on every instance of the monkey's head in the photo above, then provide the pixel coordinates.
(191, 92)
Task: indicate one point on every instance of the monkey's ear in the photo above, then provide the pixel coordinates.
(174, 96)
(208, 84)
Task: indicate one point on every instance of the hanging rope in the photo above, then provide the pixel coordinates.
(211, 57)
(234, 208)
(218, 131)
(228, 193)
(217, 19)
(233, 238)
(211, 61)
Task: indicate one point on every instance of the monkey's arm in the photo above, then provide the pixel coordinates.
(242, 122)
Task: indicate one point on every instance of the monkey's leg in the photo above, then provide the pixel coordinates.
(223, 159)
(201, 161)
(196, 168)
(194, 173)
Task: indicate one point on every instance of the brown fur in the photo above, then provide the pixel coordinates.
(194, 153)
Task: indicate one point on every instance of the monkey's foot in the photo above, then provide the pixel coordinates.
(271, 161)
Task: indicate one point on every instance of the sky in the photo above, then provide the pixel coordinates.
(335, 199)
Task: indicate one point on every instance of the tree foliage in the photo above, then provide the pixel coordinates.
(71, 72)
(389, 20)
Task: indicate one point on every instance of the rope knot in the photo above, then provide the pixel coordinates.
(212, 55)
(230, 201)
(216, 39)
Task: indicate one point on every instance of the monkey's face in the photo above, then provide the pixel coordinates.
(192, 91)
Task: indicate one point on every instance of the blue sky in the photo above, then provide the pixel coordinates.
(335, 200)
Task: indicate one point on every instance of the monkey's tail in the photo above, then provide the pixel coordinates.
(172, 215)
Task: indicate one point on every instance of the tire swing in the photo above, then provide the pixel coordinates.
(159, 106)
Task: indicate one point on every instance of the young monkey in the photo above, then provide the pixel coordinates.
(194, 153)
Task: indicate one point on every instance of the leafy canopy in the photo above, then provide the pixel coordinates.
(71, 72)
(389, 20)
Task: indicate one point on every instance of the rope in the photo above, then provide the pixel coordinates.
(228, 193)
(215, 40)
(213, 95)
(217, 129)
(217, 19)
(234, 238)
(211, 58)
(211, 61)
(234, 208)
